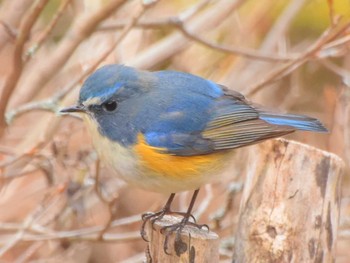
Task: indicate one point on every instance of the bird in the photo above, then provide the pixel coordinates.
(170, 131)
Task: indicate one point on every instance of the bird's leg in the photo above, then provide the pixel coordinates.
(180, 246)
(153, 217)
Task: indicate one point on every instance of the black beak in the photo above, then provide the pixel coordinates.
(75, 108)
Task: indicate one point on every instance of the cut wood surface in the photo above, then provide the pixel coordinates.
(199, 245)
(290, 204)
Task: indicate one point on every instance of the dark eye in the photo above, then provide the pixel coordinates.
(109, 106)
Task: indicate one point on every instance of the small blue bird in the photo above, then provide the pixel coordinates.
(170, 131)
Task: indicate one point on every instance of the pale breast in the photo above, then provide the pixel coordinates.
(144, 167)
(120, 158)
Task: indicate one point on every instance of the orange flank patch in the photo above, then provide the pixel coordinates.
(175, 166)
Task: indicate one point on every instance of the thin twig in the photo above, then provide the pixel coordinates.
(47, 31)
(245, 52)
(328, 36)
(343, 41)
(143, 24)
(159, 22)
(39, 229)
(178, 23)
(280, 27)
(81, 29)
(111, 211)
(28, 154)
(21, 174)
(331, 12)
(11, 32)
(17, 64)
(7, 150)
(12, 240)
(107, 237)
(50, 105)
(165, 48)
(29, 252)
(62, 93)
(36, 232)
(275, 35)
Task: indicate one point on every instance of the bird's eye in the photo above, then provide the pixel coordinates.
(109, 106)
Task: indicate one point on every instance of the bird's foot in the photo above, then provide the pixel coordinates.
(153, 217)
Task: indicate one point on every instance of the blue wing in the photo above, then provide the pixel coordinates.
(205, 117)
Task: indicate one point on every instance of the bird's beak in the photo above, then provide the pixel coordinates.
(75, 108)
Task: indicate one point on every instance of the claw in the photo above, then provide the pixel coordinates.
(204, 225)
(152, 217)
(180, 247)
(165, 245)
(143, 232)
(146, 215)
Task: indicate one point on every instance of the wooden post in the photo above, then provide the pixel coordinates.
(290, 205)
(200, 245)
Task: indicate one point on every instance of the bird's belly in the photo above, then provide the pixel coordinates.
(159, 172)
(145, 167)
(170, 173)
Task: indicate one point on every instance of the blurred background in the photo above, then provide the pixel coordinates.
(57, 203)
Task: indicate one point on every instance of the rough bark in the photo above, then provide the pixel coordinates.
(290, 204)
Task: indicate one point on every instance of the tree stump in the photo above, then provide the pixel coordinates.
(290, 204)
(198, 245)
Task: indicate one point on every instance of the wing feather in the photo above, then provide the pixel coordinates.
(243, 133)
(227, 122)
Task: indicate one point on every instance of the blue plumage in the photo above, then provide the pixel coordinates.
(106, 80)
(190, 84)
(169, 131)
(181, 113)
(299, 122)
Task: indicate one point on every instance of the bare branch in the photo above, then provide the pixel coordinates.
(165, 48)
(331, 11)
(11, 17)
(35, 232)
(11, 80)
(11, 32)
(47, 31)
(50, 105)
(245, 52)
(312, 52)
(82, 28)
(29, 220)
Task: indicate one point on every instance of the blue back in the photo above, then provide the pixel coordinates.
(180, 112)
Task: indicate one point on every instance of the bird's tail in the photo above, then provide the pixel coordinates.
(297, 122)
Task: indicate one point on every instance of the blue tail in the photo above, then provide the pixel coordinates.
(297, 122)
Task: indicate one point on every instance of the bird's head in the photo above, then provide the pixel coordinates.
(109, 86)
(109, 98)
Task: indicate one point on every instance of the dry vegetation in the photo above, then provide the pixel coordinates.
(56, 202)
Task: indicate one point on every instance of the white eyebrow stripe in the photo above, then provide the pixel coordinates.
(92, 101)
